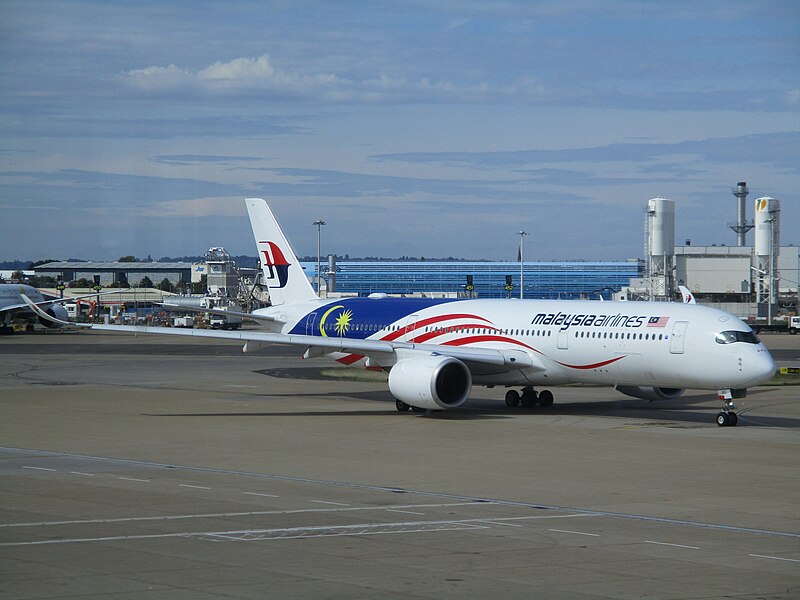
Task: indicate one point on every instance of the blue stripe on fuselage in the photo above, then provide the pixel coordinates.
(364, 312)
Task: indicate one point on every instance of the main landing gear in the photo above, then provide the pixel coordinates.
(726, 417)
(529, 398)
(403, 407)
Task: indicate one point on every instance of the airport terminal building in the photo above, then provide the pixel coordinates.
(546, 280)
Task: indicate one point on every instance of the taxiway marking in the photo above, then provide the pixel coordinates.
(295, 532)
(574, 532)
(241, 514)
(420, 493)
(673, 545)
(775, 557)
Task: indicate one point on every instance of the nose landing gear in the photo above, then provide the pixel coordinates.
(726, 417)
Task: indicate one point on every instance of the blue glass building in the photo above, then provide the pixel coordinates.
(547, 280)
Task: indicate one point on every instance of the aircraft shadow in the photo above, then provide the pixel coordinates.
(692, 410)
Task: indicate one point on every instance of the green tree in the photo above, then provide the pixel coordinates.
(33, 265)
(127, 259)
(146, 282)
(166, 285)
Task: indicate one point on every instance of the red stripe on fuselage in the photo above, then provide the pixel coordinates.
(594, 366)
(477, 339)
(429, 321)
(444, 331)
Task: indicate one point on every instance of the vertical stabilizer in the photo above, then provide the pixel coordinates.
(283, 274)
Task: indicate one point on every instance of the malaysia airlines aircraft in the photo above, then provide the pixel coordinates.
(436, 350)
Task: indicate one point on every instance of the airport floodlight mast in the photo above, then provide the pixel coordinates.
(522, 235)
(319, 225)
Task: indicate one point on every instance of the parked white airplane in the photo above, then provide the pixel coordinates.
(436, 350)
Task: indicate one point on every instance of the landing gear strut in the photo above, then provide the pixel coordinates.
(529, 398)
(726, 417)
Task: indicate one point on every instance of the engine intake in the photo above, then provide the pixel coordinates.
(649, 393)
(432, 382)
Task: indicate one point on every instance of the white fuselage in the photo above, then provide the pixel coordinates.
(626, 343)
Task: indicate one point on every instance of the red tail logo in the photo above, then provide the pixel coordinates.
(276, 263)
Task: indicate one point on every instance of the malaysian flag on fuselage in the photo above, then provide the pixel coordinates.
(657, 322)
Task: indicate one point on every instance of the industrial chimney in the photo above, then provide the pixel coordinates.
(741, 227)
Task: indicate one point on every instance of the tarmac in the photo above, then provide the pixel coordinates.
(145, 467)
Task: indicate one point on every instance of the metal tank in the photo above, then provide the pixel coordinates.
(766, 249)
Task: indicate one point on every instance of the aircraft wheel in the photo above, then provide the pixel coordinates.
(529, 398)
(733, 419)
(512, 398)
(401, 406)
(416, 409)
(723, 420)
(546, 398)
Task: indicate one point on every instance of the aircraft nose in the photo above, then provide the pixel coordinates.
(762, 367)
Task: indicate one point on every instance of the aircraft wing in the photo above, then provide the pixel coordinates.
(26, 305)
(383, 351)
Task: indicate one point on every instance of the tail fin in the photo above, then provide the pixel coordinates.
(283, 274)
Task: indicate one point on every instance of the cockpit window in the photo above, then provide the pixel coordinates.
(730, 337)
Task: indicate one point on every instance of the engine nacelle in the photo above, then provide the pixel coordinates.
(57, 312)
(431, 381)
(649, 393)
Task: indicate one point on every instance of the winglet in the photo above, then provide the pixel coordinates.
(47, 317)
(686, 295)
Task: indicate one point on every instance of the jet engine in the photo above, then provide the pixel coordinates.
(649, 393)
(57, 312)
(432, 382)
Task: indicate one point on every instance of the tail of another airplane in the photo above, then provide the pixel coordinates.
(283, 274)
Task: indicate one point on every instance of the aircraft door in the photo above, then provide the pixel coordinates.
(563, 340)
(411, 325)
(311, 322)
(678, 336)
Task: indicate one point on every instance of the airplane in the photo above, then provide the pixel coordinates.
(436, 350)
(13, 305)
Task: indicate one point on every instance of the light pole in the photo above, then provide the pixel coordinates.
(319, 225)
(522, 235)
(772, 262)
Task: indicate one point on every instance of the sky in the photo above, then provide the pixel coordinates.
(412, 128)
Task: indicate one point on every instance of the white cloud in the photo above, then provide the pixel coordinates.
(259, 75)
(159, 78)
(238, 75)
